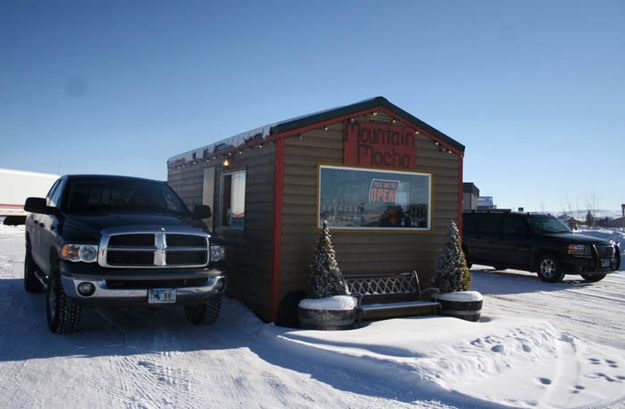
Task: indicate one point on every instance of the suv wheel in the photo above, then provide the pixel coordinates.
(593, 278)
(206, 313)
(31, 282)
(62, 313)
(549, 269)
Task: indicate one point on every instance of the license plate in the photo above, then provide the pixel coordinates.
(605, 263)
(161, 295)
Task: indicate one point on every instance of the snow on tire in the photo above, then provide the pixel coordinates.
(63, 315)
(206, 313)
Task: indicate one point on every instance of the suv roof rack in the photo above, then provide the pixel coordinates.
(490, 211)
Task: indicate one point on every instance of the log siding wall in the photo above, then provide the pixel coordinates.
(359, 252)
(249, 252)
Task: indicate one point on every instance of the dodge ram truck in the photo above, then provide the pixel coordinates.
(120, 241)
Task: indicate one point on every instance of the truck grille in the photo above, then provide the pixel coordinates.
(605, 251)
(153, 250)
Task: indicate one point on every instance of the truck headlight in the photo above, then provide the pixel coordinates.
(218, 253)
(87, 253)
(579, 250)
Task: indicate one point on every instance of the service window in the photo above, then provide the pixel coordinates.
(233, 199)
(368, 199)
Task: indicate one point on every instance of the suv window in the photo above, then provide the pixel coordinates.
(514, 225)
(547, 224)
(469, 223)
(489, 223)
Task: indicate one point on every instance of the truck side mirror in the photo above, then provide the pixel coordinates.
(201, 212)
(37, 205)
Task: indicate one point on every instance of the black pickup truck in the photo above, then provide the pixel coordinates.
(120, 241)
(536, 242)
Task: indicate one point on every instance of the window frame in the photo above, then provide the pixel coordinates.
(220, 221)
(369, 229)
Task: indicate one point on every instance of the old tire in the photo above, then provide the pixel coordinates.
(63, 314)
(205, 313)
(31, 282)
(593, 278)
(500, 267)
(548, 269)
(469, 309)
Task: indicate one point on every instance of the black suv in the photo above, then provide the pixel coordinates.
(120, 241)
(536, 242)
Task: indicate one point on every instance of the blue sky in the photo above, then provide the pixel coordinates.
(534, 89)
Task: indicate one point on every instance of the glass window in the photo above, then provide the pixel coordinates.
(355, 198)
(488, 223)
(121, 195)
(514, 225)
(233, 199)
(548, 224)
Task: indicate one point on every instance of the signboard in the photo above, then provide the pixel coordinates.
(383, 191)
(379, 145)
(485, 201)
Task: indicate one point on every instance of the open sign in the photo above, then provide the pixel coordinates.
(383, 191)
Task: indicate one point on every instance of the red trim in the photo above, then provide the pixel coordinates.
(421, 131)
(11, 205)
(461, 159)
(277, 226)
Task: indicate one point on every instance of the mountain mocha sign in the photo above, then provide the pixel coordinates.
(379, 145)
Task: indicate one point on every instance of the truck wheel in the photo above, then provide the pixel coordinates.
(31, 282)
(206, 313)
(549, 269)
(593, 278)
(62, 313)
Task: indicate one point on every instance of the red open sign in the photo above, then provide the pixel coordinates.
(383, 191)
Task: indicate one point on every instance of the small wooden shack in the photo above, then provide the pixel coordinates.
(386, 182)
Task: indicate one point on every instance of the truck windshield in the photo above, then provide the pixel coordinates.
(548, 224)
(119, 195)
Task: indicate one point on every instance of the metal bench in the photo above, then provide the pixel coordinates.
(390, 295)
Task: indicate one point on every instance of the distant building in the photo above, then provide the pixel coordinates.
(470, 193)
(485, 203)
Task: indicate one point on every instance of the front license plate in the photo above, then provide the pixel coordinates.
(161, 295)
(605, 263)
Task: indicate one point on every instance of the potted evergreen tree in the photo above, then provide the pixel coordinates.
(453, 280)
(329, 306)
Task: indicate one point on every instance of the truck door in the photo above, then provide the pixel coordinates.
(515, 241)
(48, 226)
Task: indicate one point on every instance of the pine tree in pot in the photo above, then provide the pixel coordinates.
(453, 279)
(329, 306)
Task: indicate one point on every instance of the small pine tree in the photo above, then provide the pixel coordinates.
(452, 273)
(326, 277)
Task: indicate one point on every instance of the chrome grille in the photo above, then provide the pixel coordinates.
(160, 248)
(605, 251)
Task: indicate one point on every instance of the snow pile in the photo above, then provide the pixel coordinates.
(154, 359)
(11, 230)
(461, 296)
(510, 362)
(334, 303)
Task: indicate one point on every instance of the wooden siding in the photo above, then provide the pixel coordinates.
(249, 252)
(359, 252)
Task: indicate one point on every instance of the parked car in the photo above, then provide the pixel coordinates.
(120, 241)
(536, 242)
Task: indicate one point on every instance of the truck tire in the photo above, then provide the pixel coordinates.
(548, 269)
(31, 282)
(205, 313)
(63, 314)
(593, 278)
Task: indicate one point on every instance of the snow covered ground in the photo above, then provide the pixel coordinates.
(539, 345)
